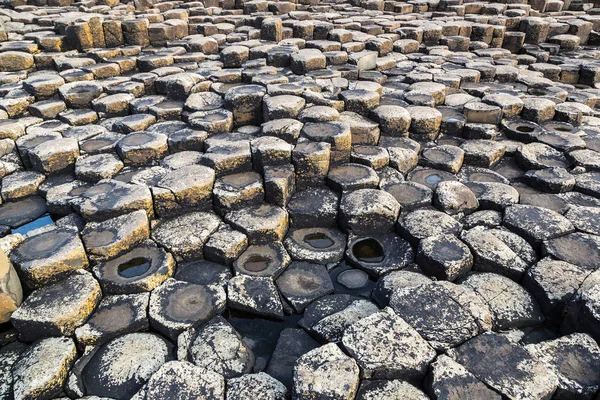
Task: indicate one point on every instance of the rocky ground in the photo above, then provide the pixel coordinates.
(267, 200)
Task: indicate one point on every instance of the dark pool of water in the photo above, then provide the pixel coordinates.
(319, 240)
(256, 263)
(134, 267)
(368, 250)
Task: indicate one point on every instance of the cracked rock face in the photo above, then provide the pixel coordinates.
(349, 200)
(325, 372)
(119, 368)
(385, 346)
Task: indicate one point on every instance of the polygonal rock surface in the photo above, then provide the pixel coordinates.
(59, 308)
(581, 314)
(42, 369)
(301, 283)
(49, 256)
(553, 283)
(261, 223)
(448, 379)
(119, 368)
(176, 306)
(183, 379)
(325, 372)
(368, 211)
(218, 347)
(139, 270)
(115, 315)
(389, 389)
(328, 317)
(254, 294)
(109, 199)
(507, 368)
(498, 251)
(379, 254)
(444, 256)
(386, 347)
(253, 386)
(511, 305)
(114, 236)
(185, 236)
(582, 351)
(536, 223)
(459, 316)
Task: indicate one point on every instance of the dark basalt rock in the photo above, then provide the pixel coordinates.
(507, 368)
(394, 178)
(535, 223)
(462, 316)
(444, 257)
(328, 317)
(254, 294)
(317, 245)
(386, 347)
(203, 272)
(217, 347)
(510, 304)
(379, 254)
(48, 257)
(176, 306)
(181, 378)
(263, 260)
(302, 283)
(184, 236)
(59, 308)
(576, 248)
(313, 207)
(114, 316)
(139, 270)
(104, 375)
(448, 379)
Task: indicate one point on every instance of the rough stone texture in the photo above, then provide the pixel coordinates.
(183, 379)
(42, 369)
(385, 346)
(59, 308)
(325, 372)
(460, 316)
(119, 368)
(576, 377)
(505, 367)
(253, 386)
(252, 179)
(510, 304)
(219, 348)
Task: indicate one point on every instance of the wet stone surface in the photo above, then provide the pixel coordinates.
(349, 200)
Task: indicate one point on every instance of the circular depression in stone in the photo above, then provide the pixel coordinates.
(525, 128)
(257, 263)
(431, 177)
(188, 303)
(368, 250)
(262, 260)
(318, 240)
(353, 279)
(139, 270)
(134, 267)
(318, 245)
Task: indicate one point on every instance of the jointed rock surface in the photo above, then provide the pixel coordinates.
(273, 200)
